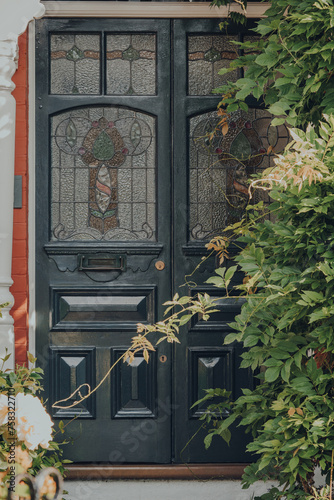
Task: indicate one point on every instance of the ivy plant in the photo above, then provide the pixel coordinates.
(291, 64)
(287, 326)
(286, 322)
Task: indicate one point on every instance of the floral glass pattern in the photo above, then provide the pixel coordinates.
(103, 175)
(131, 64)
(206, 56)
(75, 64)
(220, 168)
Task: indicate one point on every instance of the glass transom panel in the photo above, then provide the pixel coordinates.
(220, 168)
(75, 64)
(131, 64)
(206, 56)
(103, 175)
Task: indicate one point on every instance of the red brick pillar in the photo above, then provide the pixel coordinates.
(20, 288)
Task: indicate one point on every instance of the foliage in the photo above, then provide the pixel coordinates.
(26, 381)
(291, 65)
(286, 322)
(236, 11)
(324, 493)
(287, 326)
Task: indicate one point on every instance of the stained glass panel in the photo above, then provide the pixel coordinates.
(220, 169)
(103, 175)
(131, 64)
(206, 56)
(75, 64)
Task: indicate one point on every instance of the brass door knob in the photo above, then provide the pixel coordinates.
(160, 265)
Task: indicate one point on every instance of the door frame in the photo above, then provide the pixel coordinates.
(124, 9)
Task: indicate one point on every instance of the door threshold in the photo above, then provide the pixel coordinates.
(156, 472)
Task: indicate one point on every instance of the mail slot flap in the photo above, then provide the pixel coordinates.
(101, 262)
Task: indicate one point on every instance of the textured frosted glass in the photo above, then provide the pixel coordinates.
(103, 179)
(118, 76)
(206, 56)
(219, 169)
(131, 64)
(75, 64)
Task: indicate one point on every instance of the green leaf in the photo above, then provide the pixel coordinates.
(185, 319)
(293, 463)
(31, 358)
(266, 59)
(216, 281)
(230, 272)
(272, 373)
(208, 440)
(279, 108)
(251, 340)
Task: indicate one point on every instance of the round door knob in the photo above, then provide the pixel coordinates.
(160, 265)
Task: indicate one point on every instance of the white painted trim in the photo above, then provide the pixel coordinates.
(31, 189)
(147, 9)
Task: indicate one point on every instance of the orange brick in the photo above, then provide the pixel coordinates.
(20, 284)
(21, 142)
(19, 310)
(20, 231)
(20, 248)
(21, 335)
(21, 353)
(21, 165)
(20, 215)
(20, 299)
(21, 113)
(20, 321)
(19, 267)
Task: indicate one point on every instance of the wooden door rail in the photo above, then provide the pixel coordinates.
(156, 472)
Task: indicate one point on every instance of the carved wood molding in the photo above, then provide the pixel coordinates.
(147, 9)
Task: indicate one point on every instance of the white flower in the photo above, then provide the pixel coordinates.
(33, 424)
(3, 409)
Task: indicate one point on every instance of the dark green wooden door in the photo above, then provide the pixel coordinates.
(103, 221)
(128, 192)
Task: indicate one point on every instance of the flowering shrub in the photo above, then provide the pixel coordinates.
(26, 430)
(33, 424)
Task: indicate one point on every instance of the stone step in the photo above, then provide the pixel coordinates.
(161, 490)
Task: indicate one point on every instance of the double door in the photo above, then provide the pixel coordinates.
(128, 192)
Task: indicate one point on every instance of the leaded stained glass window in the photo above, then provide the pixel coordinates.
(206, 56)
(75, 64)
(219, 169)
(131, 64)
(103, 175)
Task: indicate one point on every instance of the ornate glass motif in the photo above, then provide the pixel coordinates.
(103, 175)
(131, 64)
(75, 64)
(219, 169)
(206, 56)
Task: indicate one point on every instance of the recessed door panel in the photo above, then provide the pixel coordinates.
(119, 308)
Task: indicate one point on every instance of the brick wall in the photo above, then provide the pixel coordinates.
(20, 235)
